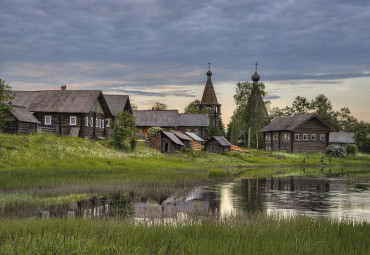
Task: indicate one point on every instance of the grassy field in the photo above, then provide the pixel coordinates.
(244, 234)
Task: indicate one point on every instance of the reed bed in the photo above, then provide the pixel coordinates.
(242, 234)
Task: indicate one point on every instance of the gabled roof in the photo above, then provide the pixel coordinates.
(221, 140)
(290, 123)
(194, 136)
(193, 120)
(181, 135)
(341, 137)
(150, 118)
(68, 101)
(23, 115)
(118, 103)
(173, 138)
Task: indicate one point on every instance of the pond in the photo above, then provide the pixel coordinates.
(294, 195)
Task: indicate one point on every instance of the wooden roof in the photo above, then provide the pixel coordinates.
(169, 118)
(118, 103)
(61, 101)
(181, 135)
(341, 137)
(221, 140)
(290, 123)
(23, 115)
(173, 138)
(209, 94)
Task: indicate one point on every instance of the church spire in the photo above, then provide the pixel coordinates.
(209, 94)
(255, 77)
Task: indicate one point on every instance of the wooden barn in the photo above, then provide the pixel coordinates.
(165, 142)
(217, 144)
(196, 141)
(24, 122)
(170, 120)
(297, 133)
(80, 113)
(186, 140)
(341, 138)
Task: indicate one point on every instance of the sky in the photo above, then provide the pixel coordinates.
(159, 50)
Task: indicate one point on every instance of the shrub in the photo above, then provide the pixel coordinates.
(124, 128)
(335, 151)
(351, 149)
(153, 131)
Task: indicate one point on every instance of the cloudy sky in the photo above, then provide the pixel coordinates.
(159, 50)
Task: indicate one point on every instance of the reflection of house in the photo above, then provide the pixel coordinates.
(297, 133)
(165, 141)
(171, 120)
(23, 121)
(341, 138)
(217, 144)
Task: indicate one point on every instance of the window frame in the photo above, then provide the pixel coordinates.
(296, 137)
(91, 122)
(102, 123)
(313, 137)
(303, 137)
(70, 120)
(322, 137)
(49, 123)
(86, 121)
(99, 123)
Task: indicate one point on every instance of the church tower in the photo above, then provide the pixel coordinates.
(209, 100)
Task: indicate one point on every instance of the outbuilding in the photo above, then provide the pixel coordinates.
(24, 122)
(217, 144)
(341, 138)
(165, 141)
(196, 141)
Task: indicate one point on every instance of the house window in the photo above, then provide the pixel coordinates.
(91, 122)
(322, 137)
(313, 137)
(99, 123)
(286, 136)
(268, 137)
(102, 123)
(108, 123)
(305, 137)
(73, 120)
(96, 122)
(296, 136)
(86, 121)
(47, 120)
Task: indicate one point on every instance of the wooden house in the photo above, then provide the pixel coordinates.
(196, 141)
(23, 122)
(170, 120)
(217, 144)
(186, 140)
(341, 138)
(116, 103)
(80, 113)
(165, 142)
(297, 133)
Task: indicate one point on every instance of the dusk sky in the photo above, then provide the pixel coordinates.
(159, 50)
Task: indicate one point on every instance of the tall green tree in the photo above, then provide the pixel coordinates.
(6, 95)
(193, 107)
(124, 131)
(362, 136)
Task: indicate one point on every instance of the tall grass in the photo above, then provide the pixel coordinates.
(245, 234)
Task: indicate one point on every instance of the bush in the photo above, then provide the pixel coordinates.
(153, 131)
(335, 151)
(124, 128)
(351, 149)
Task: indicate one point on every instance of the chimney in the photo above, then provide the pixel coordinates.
(63, 87)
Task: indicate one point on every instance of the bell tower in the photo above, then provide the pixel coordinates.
(209, 101)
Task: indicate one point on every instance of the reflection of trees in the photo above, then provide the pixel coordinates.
(121, 205)
(248, 195)
(214, 200)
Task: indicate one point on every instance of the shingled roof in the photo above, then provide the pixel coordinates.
(173, 138)
(181, 135)
(23, 115)
(193, 120)
(209, 94)
(341, 137)
(290, 123)
(66, 101)
(169, 118)
(221, 140)
(118, 103)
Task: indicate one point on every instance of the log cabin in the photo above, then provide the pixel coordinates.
(23, 121)
(297, 133)
(217, 144)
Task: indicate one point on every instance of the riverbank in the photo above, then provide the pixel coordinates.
(243, 234)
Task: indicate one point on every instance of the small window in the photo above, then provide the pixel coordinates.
(313, 137)
(99, 123)
(73, 120)
(87, 121)
(91, 122)
(108, 123)
(102, 123)
(286, 136)
(47, 120)
(322, 137)
(305, 137)
(296, 136)
(96, 122)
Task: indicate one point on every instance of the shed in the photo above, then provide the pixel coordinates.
(23, 122)
(183, 138)
(165, 142)
(196, 141)
(341, 138)
(217, 144)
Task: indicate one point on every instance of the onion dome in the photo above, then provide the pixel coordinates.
(255, 77)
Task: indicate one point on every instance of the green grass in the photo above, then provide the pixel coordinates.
(244, 234)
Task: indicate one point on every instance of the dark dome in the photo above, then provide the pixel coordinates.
(255, 77)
